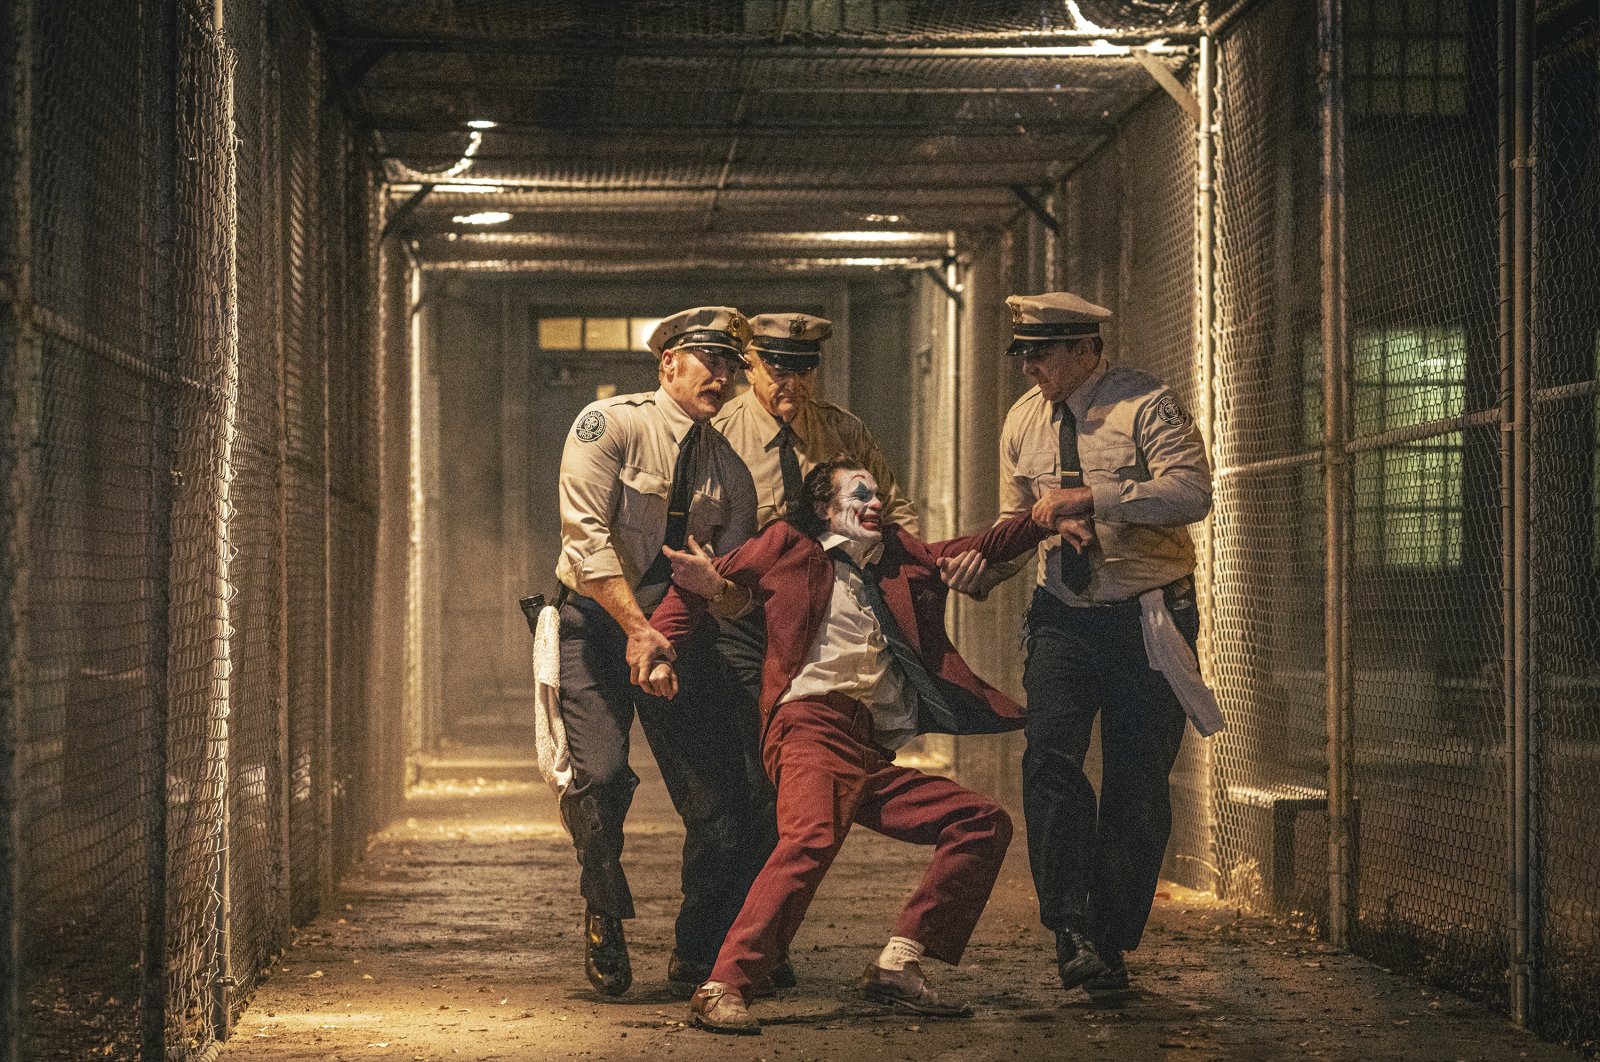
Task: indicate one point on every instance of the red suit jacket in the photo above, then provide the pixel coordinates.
(791, 576)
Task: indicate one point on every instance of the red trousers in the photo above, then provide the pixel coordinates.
(830, 774)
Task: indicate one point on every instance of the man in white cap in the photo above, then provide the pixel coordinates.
(1108, 455)
(640, 472)
(782, 432)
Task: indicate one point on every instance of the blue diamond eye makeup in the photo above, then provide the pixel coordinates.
(856, 509)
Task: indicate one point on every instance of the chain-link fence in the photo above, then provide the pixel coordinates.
(190, 382)
(1372, 174)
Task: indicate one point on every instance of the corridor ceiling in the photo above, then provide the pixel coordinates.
(745, 133)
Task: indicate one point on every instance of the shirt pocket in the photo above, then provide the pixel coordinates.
(1117, 457)
(1037, 470)
(643, 502)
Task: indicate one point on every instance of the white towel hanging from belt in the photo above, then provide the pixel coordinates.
(550, 734)
(1170, 654)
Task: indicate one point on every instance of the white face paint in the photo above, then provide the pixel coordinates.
(856, 510)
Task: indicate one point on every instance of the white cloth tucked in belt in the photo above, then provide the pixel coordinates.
(1169, 653)
(549, 732)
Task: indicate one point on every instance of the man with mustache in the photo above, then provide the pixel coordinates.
(639, 472)
(858, 662)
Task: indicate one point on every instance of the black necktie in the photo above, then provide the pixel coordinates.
(942, 706)
(793, 481)
(1074, 565)
(653, 585)
(682, 490)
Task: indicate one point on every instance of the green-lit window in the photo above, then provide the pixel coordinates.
(1409, 494)
(1406, 57)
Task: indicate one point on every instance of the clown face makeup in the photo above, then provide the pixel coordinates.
(856, 510)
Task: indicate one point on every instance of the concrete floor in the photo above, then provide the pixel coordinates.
(459, 939)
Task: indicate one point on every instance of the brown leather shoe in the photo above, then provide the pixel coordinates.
(908, 990)
(717, 1007)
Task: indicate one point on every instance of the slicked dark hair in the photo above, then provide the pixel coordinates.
(818, 492)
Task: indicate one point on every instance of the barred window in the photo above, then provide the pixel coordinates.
(1406, 57)
(1409, 495)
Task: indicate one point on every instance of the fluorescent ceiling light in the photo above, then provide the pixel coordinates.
(481, 123)
(875, 236)
(483, 217)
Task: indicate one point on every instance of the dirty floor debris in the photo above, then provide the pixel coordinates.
(458, 939)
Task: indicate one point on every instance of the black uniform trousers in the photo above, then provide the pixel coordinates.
(742, 643)
(699, 746)
(1095, 867)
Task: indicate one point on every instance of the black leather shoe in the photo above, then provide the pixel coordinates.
(783, 975)
(605, 954)
(908, 990)
(1077, 959)
(686, 976)
(1111, 986)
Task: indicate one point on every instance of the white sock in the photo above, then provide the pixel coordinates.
(898, 952)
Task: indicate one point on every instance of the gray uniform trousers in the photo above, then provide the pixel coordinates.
(698, 744)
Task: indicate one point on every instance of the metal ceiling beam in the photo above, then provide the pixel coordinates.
(885, 194)
(418, 85)
(1064, 45)
(589, 131)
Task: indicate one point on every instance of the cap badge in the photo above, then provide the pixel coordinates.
(797, 327)
(1016, 313)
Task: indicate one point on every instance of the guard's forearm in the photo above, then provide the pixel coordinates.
(616, 597)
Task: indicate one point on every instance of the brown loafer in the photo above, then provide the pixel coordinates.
(908, 990)
(717, 1007)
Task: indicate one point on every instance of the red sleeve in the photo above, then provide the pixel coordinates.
(1007, 540)
(680, 612)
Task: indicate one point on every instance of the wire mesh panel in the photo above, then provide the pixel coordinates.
(256, 794)
(91, 766)
(1157, 333)
(1267, 624)
(91, 774)
(199, 589)
(304, 384)
(1566, 553)
(1422, 316)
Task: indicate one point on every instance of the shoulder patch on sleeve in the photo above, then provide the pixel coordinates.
(591, 426)
(1171, 412)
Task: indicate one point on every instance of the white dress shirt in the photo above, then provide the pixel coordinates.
(851, 655)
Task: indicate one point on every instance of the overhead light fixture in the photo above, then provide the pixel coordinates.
(877, 236)
(483, 217)
(880, 219)
(481, 123)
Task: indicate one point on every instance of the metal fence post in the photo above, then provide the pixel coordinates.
(19, 395)
(1337, 477)
(1517, 101)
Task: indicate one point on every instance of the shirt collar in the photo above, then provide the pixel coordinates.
(769, 426)
(1078, 401)
(678, 422)
(863, 553)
